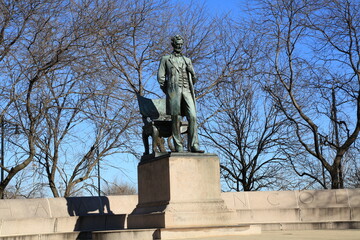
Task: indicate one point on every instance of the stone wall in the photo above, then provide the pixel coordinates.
(11, 209)
(57, 215)
(334, 208)
(274, 210)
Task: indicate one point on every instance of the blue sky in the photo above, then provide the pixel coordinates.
(218, 6)
(222, 6)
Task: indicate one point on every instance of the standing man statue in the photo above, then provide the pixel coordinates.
(176, 77)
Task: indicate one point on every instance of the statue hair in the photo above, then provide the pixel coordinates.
(175, 38)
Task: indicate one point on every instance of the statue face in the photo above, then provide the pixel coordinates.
(177, 45)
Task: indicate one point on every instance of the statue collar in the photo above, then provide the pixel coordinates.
(177, 54)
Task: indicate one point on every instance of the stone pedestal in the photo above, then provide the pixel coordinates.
(179, 190)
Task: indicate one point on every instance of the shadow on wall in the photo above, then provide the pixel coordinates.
(88, 206)
(94, 214)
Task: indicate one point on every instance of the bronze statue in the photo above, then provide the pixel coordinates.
(176, 77)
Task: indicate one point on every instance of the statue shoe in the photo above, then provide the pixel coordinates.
(179, 149)
(196, 150)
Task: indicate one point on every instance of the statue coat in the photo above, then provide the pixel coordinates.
(168, 78)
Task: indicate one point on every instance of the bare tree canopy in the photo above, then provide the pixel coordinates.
(313, 76)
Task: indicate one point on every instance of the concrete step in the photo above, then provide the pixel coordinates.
(103, 235)
(202, 232)
(28, 226)
(144, 234)
(328, 225)
(187, 233)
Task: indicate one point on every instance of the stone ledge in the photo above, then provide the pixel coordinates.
(288, 226)
(143, 234)
(266, 208)
(11, 209)
(158, 155)
(185, 233)
(298, 215)
(60, 225)
(335, 198)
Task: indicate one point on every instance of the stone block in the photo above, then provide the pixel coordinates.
(23, 237)
(179, 177)
(260, 200)
(24, 208)
(268, 215)
(295, 206)
(122, 204)
(27, 226)
(84, 206)
(325, 214)
(178, 190)
(65, 207)
(100, 223)
(87, 205)
(65, 224)
(236, 200)
(355, 214)
(273, 200)
(322, 198)
(354, 197)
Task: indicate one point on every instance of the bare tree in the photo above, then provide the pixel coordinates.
(57, 86)
(245, 131)
(22, 78)
(239, 122)
(131, 43)
(313, 76)
(116, 188)
(83, 95)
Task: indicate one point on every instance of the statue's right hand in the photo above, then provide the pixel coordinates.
(190, 70)
(162, 87)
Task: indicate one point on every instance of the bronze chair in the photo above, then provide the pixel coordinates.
(157, 124)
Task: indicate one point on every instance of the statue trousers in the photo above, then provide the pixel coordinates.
(188, 108)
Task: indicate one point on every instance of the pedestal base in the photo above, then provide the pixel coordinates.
(180, 190)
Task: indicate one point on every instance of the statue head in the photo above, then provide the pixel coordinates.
(177, 42)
